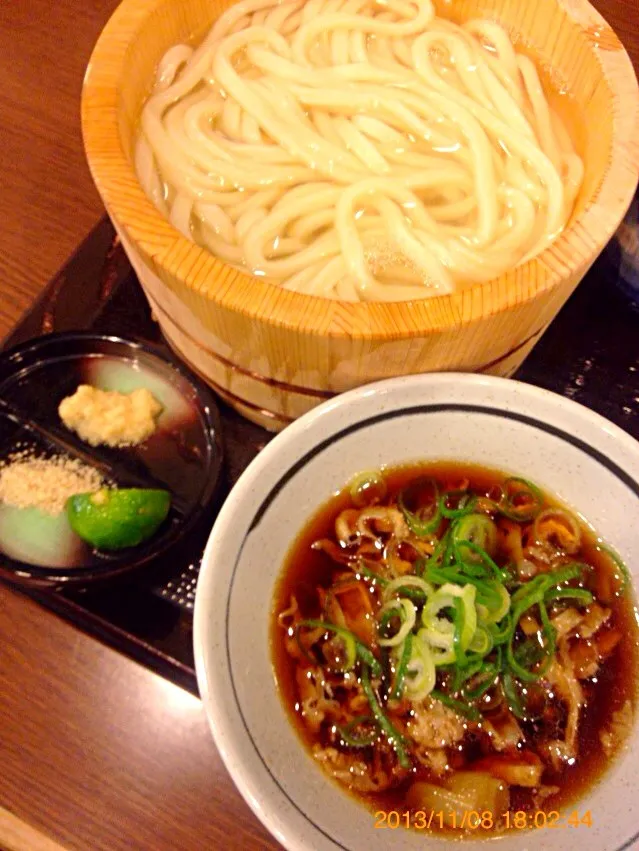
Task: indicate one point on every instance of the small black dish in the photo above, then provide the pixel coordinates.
(184, 455)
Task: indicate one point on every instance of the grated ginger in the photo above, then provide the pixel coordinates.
(110, 418)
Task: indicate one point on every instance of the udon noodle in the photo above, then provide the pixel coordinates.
(357, 150)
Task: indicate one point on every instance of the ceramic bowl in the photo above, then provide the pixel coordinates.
(569, 451)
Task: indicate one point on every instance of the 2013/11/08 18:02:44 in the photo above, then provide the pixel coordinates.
(475, 820)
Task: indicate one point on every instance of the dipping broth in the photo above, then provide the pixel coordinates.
(446, 633)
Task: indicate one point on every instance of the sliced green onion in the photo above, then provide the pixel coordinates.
(448, 551)
(580, 595)
(346, 733)
(486, 678)
(470, 666)
(439, 632)
(482, 641)
(511, 575)
(469, 616)
(437, 556)
(408, 618)
(384, 723)
(486, 593)
(532, 652)
(464, 709)
(348, 639)
(438, 575)
(567, 572)
(529, 652)
(361, 650)
(468, 567)
(534, 593)
(466, 504)
(370, 574)
(493, 614)
(418, 597)
(483, 558)
(458, 620)
(512, 697)
(367, 489)
(545, 581)
(500, 632)
(405, 582)
(404, 656)
(441, 657)
(443, 652)
(521, 672)
(528, 597)
(549, 631)
(445, 598)
(476, 529)
(420, 672)
(385, 617)
(417, 523)
(535, 587)
(515, 488)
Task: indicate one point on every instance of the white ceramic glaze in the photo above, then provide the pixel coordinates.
(570, 451)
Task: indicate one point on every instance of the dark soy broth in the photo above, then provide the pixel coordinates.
(306, 569)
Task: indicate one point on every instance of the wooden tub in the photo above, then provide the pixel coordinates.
(274, 354)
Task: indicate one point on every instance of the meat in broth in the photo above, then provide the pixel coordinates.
(449, 639)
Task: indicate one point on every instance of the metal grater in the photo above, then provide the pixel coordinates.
(180, 590)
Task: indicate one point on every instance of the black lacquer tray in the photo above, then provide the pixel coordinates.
(590, 354)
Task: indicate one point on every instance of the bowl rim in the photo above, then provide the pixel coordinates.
(206, 276)
(228, 733)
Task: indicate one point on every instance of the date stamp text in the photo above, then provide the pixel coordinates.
(485, 820)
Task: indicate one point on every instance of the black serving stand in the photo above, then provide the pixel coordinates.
(590, 354)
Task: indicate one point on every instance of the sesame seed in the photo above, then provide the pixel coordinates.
(29, 481)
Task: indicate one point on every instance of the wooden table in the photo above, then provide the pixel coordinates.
(96, 752)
